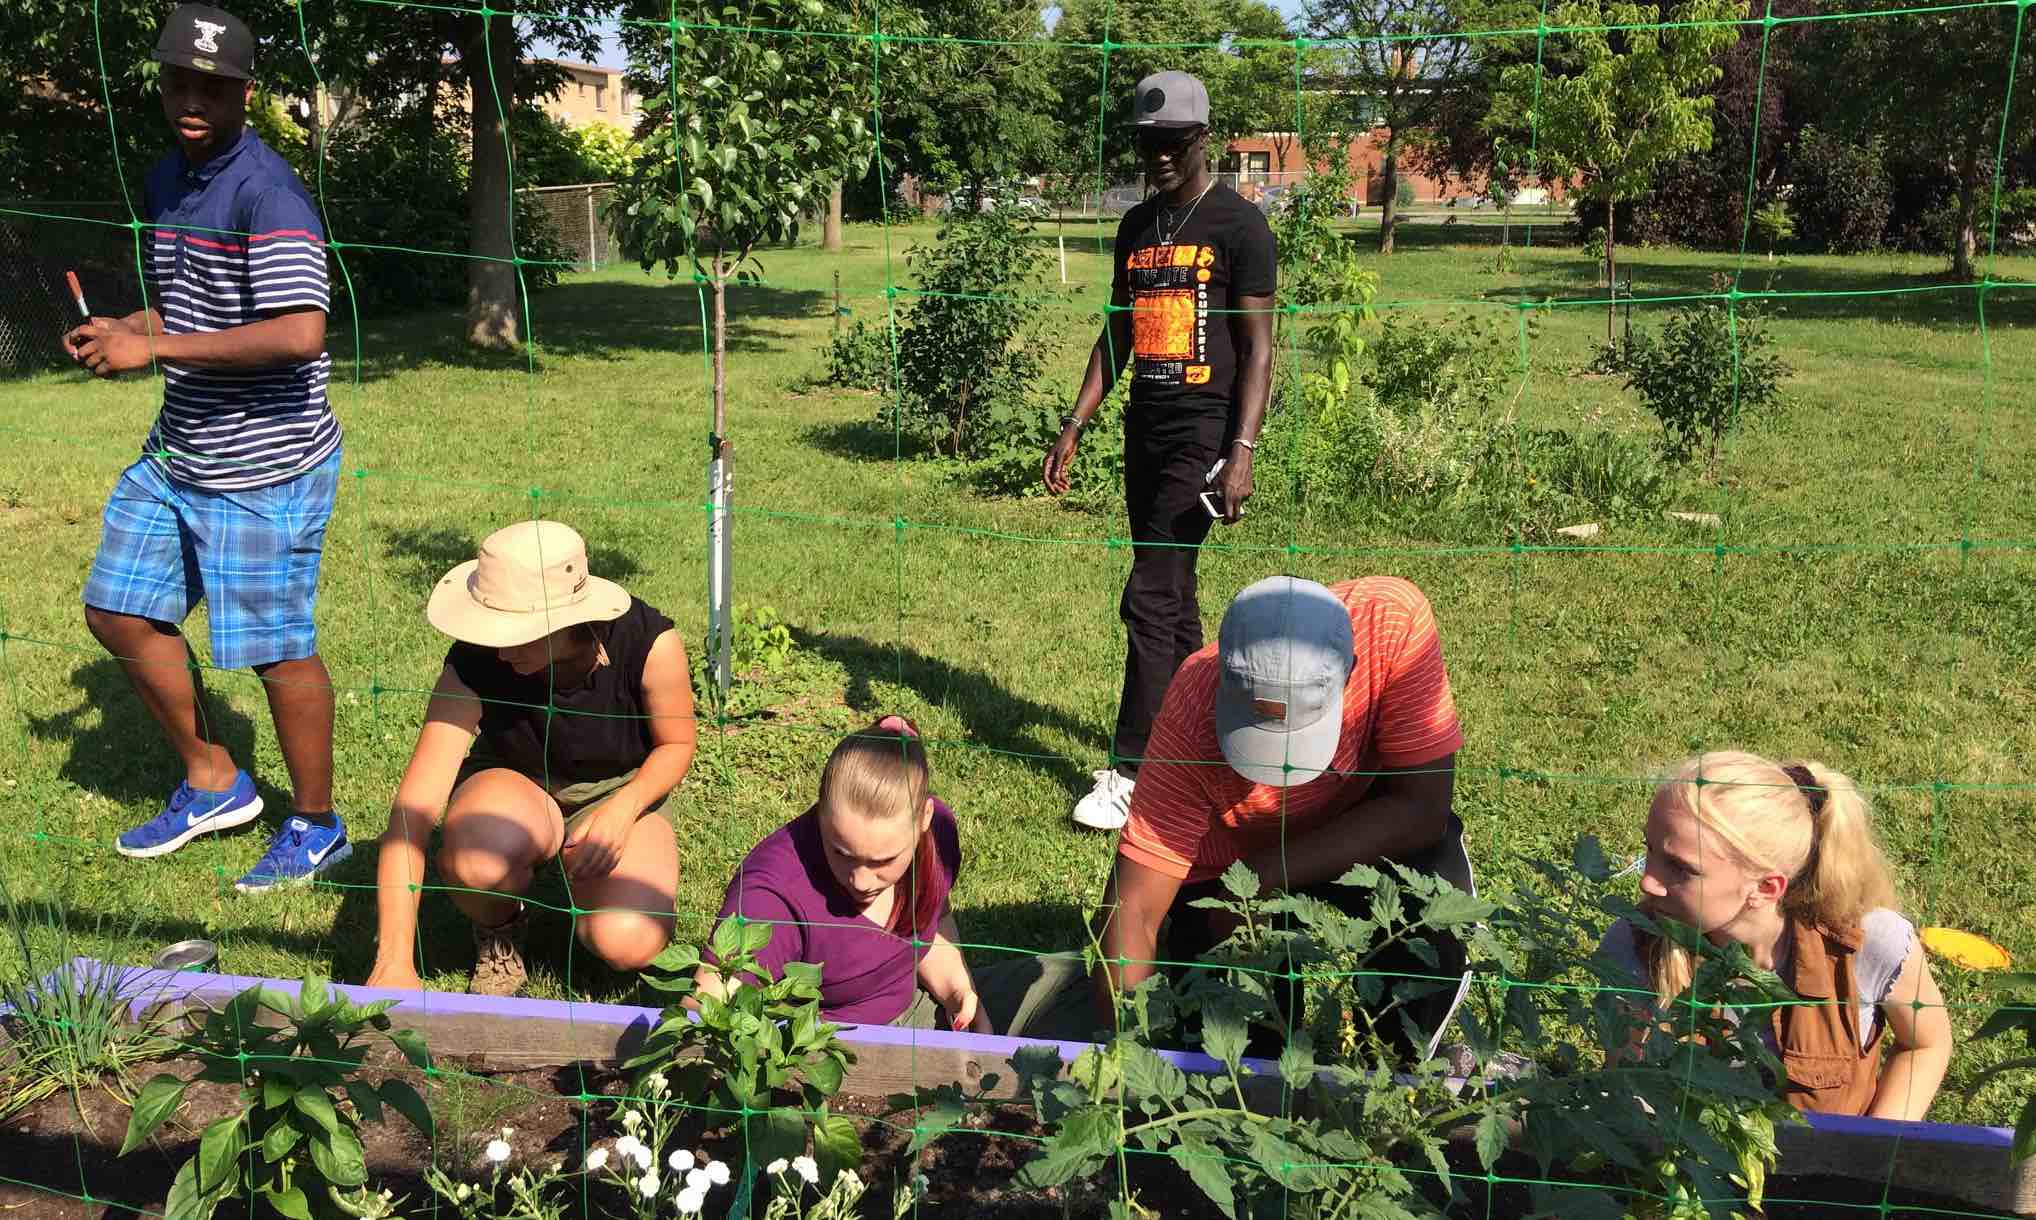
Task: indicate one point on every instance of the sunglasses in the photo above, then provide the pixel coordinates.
(1169, 142)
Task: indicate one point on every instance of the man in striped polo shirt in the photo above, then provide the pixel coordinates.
(229, 501)
(1317, 733)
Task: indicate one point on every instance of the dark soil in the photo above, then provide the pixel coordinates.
(58, 1159)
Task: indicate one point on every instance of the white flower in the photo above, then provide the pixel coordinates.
(805, 1168)
(498, 1151)
(697, 1179)
(680, 1161)
(690, 1201)
(596, 1158)
(850, 1174)
(507, 1132)
(643, 1157)
(631, 1120)
(717, 1173)
(648, 1186)
(777, 1167)
(626, 1146)
(655, 1083)
(463, 1192)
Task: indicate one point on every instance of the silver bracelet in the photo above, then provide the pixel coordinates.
(1252, 445)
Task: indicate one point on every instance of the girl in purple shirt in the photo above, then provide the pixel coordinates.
(858, 885)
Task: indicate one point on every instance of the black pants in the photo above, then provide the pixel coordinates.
(1188, 936)
(1164, 466)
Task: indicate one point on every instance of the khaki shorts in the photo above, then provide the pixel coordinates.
(575, 801)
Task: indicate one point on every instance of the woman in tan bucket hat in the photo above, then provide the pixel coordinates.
(563, 717)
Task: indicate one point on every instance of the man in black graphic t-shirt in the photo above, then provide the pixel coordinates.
(1191, 306)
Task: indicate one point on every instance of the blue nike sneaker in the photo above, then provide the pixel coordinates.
(301, 851)
(190, 813)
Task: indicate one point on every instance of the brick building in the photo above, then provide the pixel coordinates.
(1274, 158)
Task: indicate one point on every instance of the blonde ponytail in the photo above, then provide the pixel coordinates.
(1818, 835)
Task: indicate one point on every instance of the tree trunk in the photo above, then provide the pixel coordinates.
(1389, 207)
(830, 232)
(490, 53)
(1611, 272)
(720, 346)
(1965, 236)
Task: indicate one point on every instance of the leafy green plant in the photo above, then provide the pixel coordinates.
(1709, 370)
(1318, 264)
(1679, 1121)
(759, 1051)
(294, 1140)
(1676, 1104)
(1008, 461)
(1775, 223)
(760, 645)
(1541, 479)
(859, 358)
(66, 1025)
(2016, 1015)
(971, 358)
(1330, 1155)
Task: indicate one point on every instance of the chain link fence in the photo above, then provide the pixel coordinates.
(575, 213)
(40, 240)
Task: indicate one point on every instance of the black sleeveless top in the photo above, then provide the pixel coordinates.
(560, 748)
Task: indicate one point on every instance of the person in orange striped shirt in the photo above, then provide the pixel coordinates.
(1317, 733)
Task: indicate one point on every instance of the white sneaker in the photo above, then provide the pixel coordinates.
(1107, 805)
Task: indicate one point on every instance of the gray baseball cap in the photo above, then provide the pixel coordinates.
(1170, 99)
(1286, 652)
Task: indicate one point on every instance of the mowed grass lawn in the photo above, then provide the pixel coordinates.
(1837, 614)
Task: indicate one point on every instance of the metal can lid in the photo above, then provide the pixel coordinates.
(187, 955)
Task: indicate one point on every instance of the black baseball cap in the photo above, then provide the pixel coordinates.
(206, 39)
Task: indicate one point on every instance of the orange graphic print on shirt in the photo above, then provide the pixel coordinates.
(1169, 288)
(1163, 325)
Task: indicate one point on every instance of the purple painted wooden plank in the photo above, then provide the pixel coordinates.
(1919, 1132)
(153, 986)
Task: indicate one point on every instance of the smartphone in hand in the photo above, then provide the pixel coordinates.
(1212, 499)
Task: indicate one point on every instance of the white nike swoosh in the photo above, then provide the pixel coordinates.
(192, 819)
(317, 856)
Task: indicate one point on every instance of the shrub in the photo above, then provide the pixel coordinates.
(1704, 374)
(971, 361)
(1317, 262)
(1842, 195)
(1008, 462)
(389, 184)
(551, 152)
(859, 358)
(1407, 421)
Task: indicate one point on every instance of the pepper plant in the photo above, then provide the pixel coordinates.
(757, 1057)
(294, 1142)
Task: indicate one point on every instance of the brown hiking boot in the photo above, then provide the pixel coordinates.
(498, 958)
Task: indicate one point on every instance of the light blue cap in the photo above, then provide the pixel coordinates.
(1285, 649)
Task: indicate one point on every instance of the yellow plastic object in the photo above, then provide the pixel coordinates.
(1968, 950)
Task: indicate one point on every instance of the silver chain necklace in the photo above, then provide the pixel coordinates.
(1168, 229)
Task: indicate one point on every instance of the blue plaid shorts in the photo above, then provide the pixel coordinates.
(251, 556)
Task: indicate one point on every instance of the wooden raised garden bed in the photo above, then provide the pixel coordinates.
(550, 1059)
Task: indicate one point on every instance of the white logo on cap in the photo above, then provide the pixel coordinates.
(208, 35)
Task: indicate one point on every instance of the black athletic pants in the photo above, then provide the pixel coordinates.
(1164, 465)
